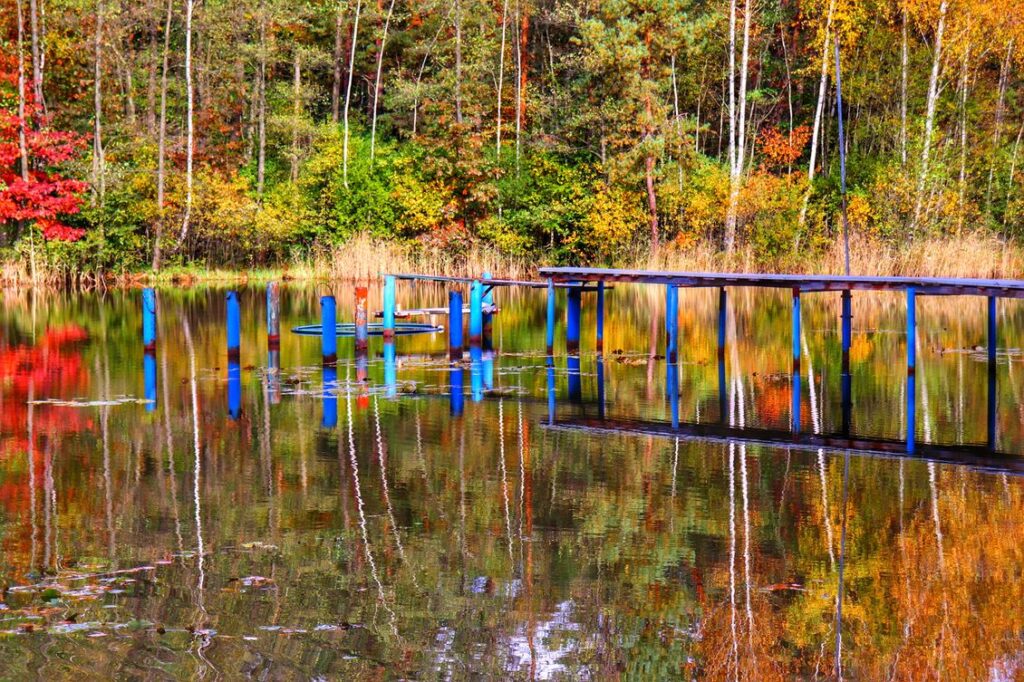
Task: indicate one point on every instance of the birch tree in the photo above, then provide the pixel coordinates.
(189, 123)
(161, 156)
(348, 90)
(377, 83)
(929, 119)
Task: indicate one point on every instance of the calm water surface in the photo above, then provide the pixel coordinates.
(299, 525)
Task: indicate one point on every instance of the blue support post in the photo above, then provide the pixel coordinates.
(672, 379)
(476, 373)
(911, 369)
(552, 392)
(455, 384)
(572, 320)
(454, 325)
(575, 379)
(846, 379)
(993, 340)
(273, 315)
(671, 323)
(389, 306)
(149, 379)
(723, 397)
(476, 313)
(234, 389)
(550, 334)
(330, 396)
(390, 370)
(328, 330)
(234, 321)
(795, 410)
(600, 318)
(149, 319)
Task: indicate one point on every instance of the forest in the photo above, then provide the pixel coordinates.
(140, 136)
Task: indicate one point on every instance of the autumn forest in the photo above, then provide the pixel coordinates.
(254, 133)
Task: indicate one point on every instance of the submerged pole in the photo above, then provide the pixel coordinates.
(993, 340)
(476, 313)
(149, 379)
(795, 409)
(600, 319)
(330, 397)
(572, 320)
(672, 323)
(390, 370)
(846, 387)
(672, 379)
(550, 334)
(273, 315)
(149, 319)
(389, 306)
(723, 411)
(234, 322)
(551, 389)
(362, 329)
(455, 384)
(454, 325)
(911, 368)
(328, 330)
(476, 373)
(234, 388)
(575, 378)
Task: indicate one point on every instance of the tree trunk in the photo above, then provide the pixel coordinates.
(151, 70)
(189, 129)
(730, 216)
(501, 78)
(929, 120)
(997, 132)
(1013, 169)
(737, 126)
(348, 90)
(378, 85)
(520, 81)
(816, 127)
(261, 105)
(98, 170)
(162, 143)
(963, 136)
(37, 55)
(458, 62)
(296, 113)
(22, 112)
(904, 61)
(339, 53)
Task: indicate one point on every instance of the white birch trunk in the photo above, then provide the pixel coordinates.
(348, 91)
(377, 81)
(929, 119)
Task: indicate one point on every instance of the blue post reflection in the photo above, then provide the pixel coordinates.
(575, 385)
(274, 375)
(911, 368)
(993, 339)
(234, 389)
(600, 386)
(671, 322)
(455, 384)
(390, 370)
(488, 370)
(723, 410)
(476, 373)
(330, 395)
(795, 409)
(552, 392)
(149, 378)
(672, 379)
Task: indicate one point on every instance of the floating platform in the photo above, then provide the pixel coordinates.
(376, 329)
(427, 312)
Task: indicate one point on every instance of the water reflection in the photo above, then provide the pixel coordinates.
(590, 515)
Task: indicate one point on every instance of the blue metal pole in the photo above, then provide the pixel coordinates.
(389, 306)
(390, 370)
(234, 321)
(550, 336)
(572, 321)
(575, 383)
(454, 325)
(149, 319)
(672, 322)
(149, 379)
(600, 318)
(551, 389)
(672, 378)
(476, 373)
(795, 411)
(846, 379)
(330, 396)
(456, 382)
(273, 315)
(476, 313)
(328, 330)
(993, 340)
(723, 410)
(911, 368)
(234, 389)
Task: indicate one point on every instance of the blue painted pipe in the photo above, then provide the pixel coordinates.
(330, 395)
(149, 319)
(795, 410)
(234, 390)
(911, 368)
(476, 373)
(390, 370)
(572, 320)
(672, 379)
(600, 318)
(149, 379)
(273, 315)
(723, 408)
(455, 325)
(234, 321)
(847, 329)
(993, 340)
(723, 301)
(671, 323)
(476, 313)
(389, 306)
(328, 330)
(455, 384)
(550, 335)
(575, 383)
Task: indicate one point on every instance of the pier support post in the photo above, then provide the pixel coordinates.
(362, 328)
(389, 307)
(723, 410)
(672, 379)
(455, 326)
(911, 369)
(846, 379)
(672, 323)
(795, 409)
(234, 322)
(599, 342)
(993, 340)
(328, 330)
(330, 397)
(149, 320)
(273, 315)
(550, 335)
(572, 320)
(575, 379)
(476, 313)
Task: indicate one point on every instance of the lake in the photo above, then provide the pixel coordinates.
(548, 522)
